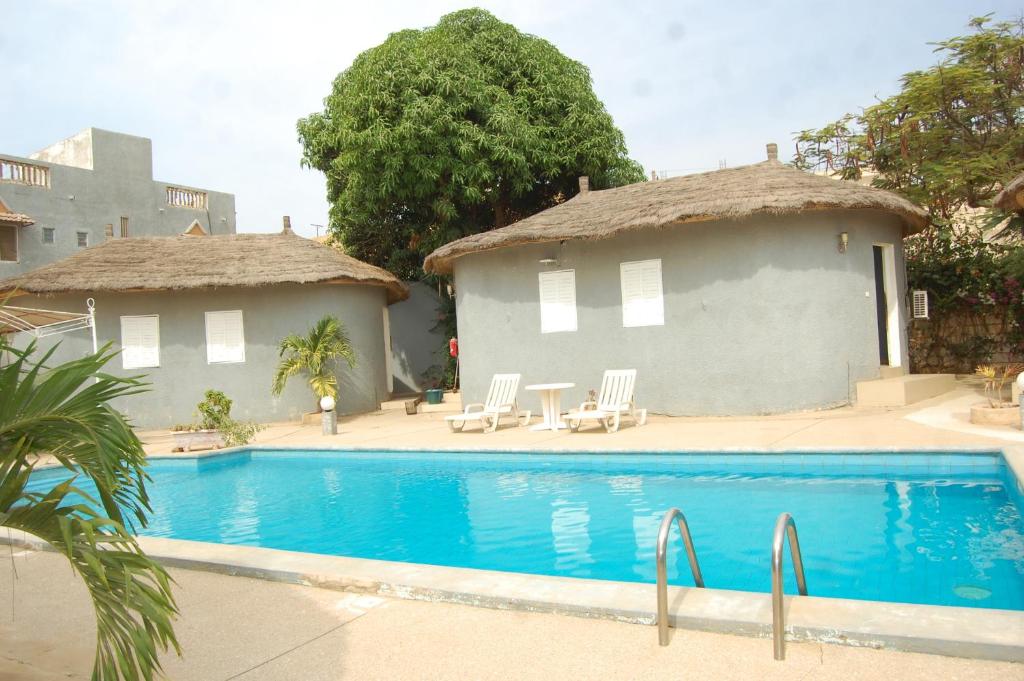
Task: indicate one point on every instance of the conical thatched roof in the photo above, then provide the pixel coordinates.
(1012, 197)
(767, 187)
(188, 262)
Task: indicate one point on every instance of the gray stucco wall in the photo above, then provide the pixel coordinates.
(269, 314)
(415, 347)
(117, 181)
(761, 316)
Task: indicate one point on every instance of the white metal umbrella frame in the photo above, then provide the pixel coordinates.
(42, 323)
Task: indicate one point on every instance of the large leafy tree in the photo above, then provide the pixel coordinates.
(950, 137)
(452, 130)
(64, 411)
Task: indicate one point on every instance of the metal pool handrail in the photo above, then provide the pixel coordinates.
(783, 526)
(662, 566)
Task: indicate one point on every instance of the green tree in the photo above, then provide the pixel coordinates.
(953, 134)
(65, 412)
(452, 130)
(314, 354)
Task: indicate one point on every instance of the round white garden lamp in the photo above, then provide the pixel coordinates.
(330, 417)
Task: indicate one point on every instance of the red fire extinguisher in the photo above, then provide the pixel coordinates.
(453, 350)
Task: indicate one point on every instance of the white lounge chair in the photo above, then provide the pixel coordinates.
(614, 400)
(501, 399)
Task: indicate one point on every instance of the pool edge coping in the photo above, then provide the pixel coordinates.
(975, 633)
(940, 628)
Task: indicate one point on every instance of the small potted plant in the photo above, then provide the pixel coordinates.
(216, 428)
(998, 410)
(433, 379)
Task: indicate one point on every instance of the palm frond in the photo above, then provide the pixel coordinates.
(63, 411)
(314, 355)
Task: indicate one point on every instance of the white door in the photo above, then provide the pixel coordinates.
(892, 304)
(387, 353)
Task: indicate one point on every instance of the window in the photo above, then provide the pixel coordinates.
(8, 243)
(83, 239)
(124, 227)
(642, 300)
(225, 338)
(140, 341)
(557, 301)
(47, 235)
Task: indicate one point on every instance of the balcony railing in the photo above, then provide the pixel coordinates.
(19, 172)
(186, 198)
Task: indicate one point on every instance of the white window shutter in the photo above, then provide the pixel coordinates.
(140, 341)
(225, 337)
(920, 304)
(643, 301)
(557, 301)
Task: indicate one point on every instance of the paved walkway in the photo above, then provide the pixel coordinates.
(237, 628)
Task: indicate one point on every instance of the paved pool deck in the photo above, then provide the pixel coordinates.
(252, 630)
(240, 628)
(946, 426)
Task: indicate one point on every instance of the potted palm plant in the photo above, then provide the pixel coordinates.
(315, 355)
(998, 411)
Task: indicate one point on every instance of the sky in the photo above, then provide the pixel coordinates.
(218, 86)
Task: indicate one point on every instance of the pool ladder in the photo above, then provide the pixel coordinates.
(662, 566)
(784, 526)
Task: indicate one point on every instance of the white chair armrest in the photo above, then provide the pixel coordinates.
(475, 406)
(588, 406)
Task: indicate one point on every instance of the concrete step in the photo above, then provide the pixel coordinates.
(452, 401)
(397, 404)
(892, 372)
(903, 390)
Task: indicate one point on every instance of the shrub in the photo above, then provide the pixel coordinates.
(215, 413)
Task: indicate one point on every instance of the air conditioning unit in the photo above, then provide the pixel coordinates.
(919, 300)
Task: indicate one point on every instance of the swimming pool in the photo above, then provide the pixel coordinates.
(938, 528)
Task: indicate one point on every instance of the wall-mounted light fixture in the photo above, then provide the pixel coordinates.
(451, 290)
(548, 261)
(844, 241)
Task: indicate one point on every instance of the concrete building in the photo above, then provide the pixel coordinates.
(756, 289)
(91, 187)
(190, 313)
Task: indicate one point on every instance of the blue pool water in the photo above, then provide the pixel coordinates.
(943, 529)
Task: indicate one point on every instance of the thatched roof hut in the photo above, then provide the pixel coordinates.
(732, 193)
(1012, 197)
(189, 262)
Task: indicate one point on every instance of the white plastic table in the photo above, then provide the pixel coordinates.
(551, 401)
